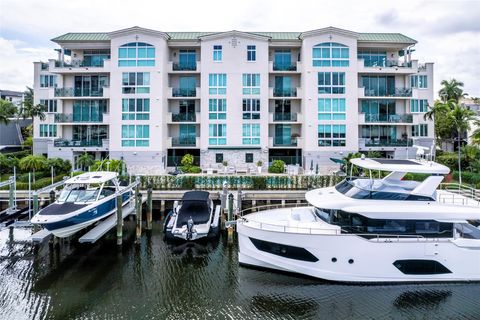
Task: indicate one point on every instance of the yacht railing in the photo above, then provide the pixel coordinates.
(458, 194)
(272, 206)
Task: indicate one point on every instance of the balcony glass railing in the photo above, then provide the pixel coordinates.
(284, 141)
(386, 64)
(78, 92)
(73, 117)
(284, 92)
(377, 142)
(78, 143)
(282, 66)
(397, 92)
(184, 141)
(180, 92)
(183, 117)
(284, 117)
(183, 66)
(393, 118)
(80, 64)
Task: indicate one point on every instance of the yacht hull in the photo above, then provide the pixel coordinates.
(352, 258)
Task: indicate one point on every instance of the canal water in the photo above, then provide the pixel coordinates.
(155, 280)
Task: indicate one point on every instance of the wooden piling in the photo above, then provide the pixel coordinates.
(119, 220)
(35, 203)
(149, 208)
(11, 193)
(162, 207)
(230, 217)
(138, 208)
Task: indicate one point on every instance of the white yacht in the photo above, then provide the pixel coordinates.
(85, 199)
(371, 229)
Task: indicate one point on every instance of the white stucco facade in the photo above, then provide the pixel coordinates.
(184, 113)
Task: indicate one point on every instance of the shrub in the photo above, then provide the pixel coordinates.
(191, 169)
(7, 164)
(59, 165)
(259, 183)
(187, 160)
(468, 177)
(187, 183)
(278, 166)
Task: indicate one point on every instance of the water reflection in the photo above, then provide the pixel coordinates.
(159, 280)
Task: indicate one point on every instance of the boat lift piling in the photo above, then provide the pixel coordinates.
(230, 217)
(119, 220)
(223, 204)
(149, 208)
(138, 210)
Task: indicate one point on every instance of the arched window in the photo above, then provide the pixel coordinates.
(136, 54)
(330, 54)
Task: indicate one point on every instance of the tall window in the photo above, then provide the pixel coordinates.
(251, 53)
(251, 109)
(217, 109)
(331, 82)
(89, 110)
(135, 82)
(50, 105)
(135, 109)
(420, 130)
(217, 83)
(251, 83)
(217, 53)
(418, 105)
(47, 81)
(330, 54)
(418, 81)
(48, 130)
(135, 135)
(378, 86)
(217, 134)
(331, 135)
(331, 109)
(250, 133)
(136, 54)
(373, 57)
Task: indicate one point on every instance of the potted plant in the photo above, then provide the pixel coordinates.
(225, 166)
(259, 166)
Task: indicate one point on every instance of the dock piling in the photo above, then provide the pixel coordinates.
(119, 220)
(11, 193)
(35, 203)
(138, 211)
(230, 217)
(149, 208)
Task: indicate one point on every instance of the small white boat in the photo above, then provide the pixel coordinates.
(193, 219)
(371, 230)
(85, 199)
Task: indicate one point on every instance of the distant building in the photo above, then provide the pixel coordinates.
(11, 135)
(474, 106)
(149, 97)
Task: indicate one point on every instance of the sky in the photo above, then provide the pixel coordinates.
(447, 31)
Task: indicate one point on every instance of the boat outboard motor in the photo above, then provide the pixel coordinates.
(190, 225)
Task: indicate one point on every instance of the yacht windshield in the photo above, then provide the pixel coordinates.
(79, 194)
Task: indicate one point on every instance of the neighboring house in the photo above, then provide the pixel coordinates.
(474, 106)
(149, 97)
(11, 134)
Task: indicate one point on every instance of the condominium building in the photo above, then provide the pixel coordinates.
(149, 97)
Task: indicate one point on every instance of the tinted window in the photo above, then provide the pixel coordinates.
(285, 251)
(420, 267)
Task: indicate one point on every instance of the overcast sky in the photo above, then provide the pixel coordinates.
(447, 31)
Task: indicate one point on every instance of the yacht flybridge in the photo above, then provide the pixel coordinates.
(85, 199)
(368, 229)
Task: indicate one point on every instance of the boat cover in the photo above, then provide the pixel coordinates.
(195, 205)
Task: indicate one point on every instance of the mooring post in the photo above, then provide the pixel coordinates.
(52, 196)
(149, 208)
(35, 203)
(11, 193)
(119, 220)
(138, 208)
(239, 200)
(230, 217)
(223, 204)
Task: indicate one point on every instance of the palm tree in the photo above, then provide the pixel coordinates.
(85, 161)
(451, 90)
(461, 118)
(7, 111)
(438, 110)
(476, 133)
(33, 162)
(29, 109)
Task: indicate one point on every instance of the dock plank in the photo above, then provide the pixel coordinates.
(40, 236)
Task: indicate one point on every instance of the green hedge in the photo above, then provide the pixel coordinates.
(39, 183)
(273, 182)
(468, 177)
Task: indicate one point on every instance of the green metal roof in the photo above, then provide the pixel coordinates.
(285, 36)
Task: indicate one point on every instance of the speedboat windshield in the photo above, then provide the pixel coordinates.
(79, 194)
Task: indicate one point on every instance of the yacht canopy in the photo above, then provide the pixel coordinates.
(401, 165)
(92, 177)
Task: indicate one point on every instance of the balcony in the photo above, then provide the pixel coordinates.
(388, 66)
(394, 93)
(280, 141)
(78, 93)
(284, 117)
(184, 117)
(391, 118)
(378, 142)
(184, 93)
(77, 118)
(78, 143)
(183, 141)
(80, 66)
(182, 67)
(284, 92)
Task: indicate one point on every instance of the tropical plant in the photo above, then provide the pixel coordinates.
(30, 110)
(187, 160)
(437, 113)
(347, 167)
(461, 118)
(277, 166)
(33, 163)
(85, 160)
(451, 90)
(7, 111)
(59, 165)
(476, 133)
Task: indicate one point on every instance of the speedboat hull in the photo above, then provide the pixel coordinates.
(62, 223)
